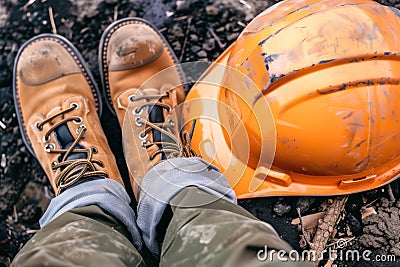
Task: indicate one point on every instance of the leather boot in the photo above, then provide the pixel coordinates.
(57, 104)
(143, 84)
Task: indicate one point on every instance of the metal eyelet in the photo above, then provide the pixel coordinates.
(49, 147)
(143, 137)
(132, 98)
(40, 128)
(46, 140)
(169, 110)
(95, 150)
(53, 164)
(144, 142)
(79, 120)
(138, 122)
(75, 105)
(137, 111)
(81, 128)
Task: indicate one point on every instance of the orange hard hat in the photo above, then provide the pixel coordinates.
(306, 101)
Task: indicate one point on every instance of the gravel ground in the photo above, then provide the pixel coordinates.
(191, 26)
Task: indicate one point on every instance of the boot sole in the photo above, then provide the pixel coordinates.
(103, 46)
(73, 51)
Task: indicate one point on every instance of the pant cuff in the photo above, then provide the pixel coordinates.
(105, 193)
(167, 179)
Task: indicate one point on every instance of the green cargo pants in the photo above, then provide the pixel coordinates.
(215, 234)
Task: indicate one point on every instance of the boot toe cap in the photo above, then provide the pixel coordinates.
(132, 46)
(44, 61)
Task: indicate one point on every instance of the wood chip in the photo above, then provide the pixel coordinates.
(116, 13)
(247, 5)
(241, 24)
(310, 221)
(31, 231)
(3, 161)
(367, 212)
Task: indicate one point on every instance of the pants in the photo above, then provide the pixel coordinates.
(197, 228)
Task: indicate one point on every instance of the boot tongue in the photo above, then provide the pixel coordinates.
(156, 114)
(65, 140)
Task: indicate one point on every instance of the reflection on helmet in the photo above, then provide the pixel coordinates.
(330, 72)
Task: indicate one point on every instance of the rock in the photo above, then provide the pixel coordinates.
(182, 5)
(177, 31)
(228, 27)
(194, 38)
(132, 13)
(202, 54)
(382, 228)
(282, 208)
(15, 159)
(212, 10)
(195, 48)
(304, 203)
(19, 142)
(209, 45)
(176, 46)
(232, 37)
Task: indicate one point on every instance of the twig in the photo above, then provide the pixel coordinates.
(3, 161)
(30, 2)
(220, 44)
(53, 24)
(2, 125)
(180, 18)
(15, 213)
(31, 231)
(247, 5)
(186, 38)
(326, 227)
(390, 193)
(116, 13)
(241, 24)
(369, 204)
(303, 231)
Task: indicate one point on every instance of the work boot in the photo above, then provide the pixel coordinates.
(142, 80)
(57, 103)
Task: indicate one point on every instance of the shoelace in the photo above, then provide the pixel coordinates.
(75, 169)
(175, 147)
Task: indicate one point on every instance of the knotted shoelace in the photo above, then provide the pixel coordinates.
(72, 170)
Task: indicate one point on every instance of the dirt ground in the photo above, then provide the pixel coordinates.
(196, 30)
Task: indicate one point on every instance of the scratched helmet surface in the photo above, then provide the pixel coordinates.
(330, 71)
